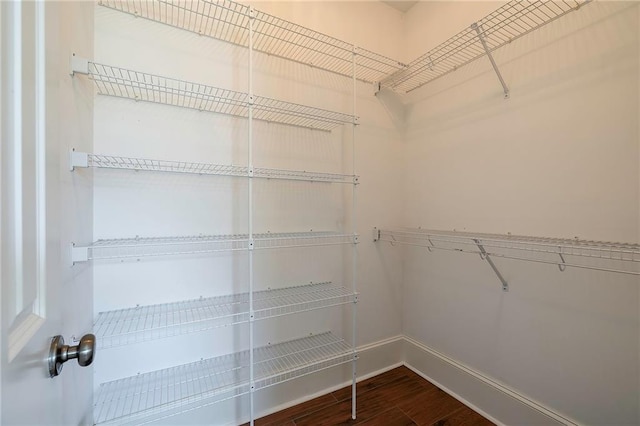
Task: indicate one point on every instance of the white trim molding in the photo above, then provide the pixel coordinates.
(496, 401)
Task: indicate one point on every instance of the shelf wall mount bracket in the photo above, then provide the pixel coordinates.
(79, 254)
(78, 159)
(563, 265)
(485, 256)
(78, 65)
(481, 36)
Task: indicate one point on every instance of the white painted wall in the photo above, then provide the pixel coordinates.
(72, 123)
(127, 204)
(560, 158)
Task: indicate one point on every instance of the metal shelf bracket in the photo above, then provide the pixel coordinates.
(485, 256)
(79, 254)
(78, 159)
(78, 65)
(482, 38)
(562, 266)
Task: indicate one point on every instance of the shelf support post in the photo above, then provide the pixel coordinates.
(251, 242)
(481, 36)
(354, 309)
(485, 256)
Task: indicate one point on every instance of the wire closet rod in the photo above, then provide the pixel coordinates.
(504, 25)
(552, 251)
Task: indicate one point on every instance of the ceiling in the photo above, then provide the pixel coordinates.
(400, 5)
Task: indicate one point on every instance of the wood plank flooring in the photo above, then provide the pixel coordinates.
(396, 398)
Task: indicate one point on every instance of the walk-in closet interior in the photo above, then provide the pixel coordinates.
(263, 202)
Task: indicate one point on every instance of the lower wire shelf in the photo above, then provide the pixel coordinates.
(144, 323)
(160, 394)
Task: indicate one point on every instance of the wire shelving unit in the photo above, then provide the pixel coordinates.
(160, 394)
(140, 86)
(82, 160)
(144, 323)
(605, 256)
(125, 248)
(156, 395)
(509, 22)
(228, 21)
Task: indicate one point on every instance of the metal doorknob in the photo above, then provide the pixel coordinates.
(59, 353)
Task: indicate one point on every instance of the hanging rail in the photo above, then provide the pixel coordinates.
(140, 86)
(509, 22)
(227, 21)
(614, 257)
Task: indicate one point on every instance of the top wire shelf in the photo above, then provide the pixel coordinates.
(81, 159)
(596, 255)
(161, 394)
(140, 86)
(126, 248)
(229, 21)
(509, 22)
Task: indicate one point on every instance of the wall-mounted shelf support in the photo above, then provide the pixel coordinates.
(485, 256)
(78, 65)
(79, 254)
(78, 159)
(481, 36)
(562, 266)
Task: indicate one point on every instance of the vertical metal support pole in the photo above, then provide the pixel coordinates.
(479, 30)
(250, 213)
(354, 273)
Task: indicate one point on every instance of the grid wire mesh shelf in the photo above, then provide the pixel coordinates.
(140, 86)
(147, 397)
(509, 22)
(166, 246)
(142, 164)
(597, 255)
(229, 21)
(144, 323)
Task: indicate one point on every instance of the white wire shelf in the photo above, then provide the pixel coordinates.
(229, 21)
(509, 22)
(200, 244)
(144, 323)
(140, 86)
(151, 396)
(81, 159)
(596, 255)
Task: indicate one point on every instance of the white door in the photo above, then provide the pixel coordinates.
(39, 297)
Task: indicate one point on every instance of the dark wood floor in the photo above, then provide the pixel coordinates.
(396, 398)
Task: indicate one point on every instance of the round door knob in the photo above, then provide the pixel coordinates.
(59, 353)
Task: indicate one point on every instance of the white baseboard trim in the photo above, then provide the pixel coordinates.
(455, 395)
(494, 384)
